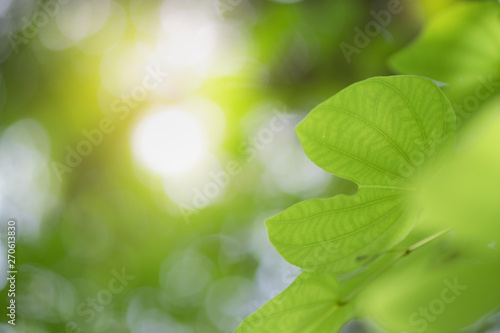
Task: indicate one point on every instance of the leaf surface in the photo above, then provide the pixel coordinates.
(459, 44)
(378, 133)
(308, 305)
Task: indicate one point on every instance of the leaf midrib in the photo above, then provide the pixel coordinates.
(411, 109)
(374, 127)
(354, 157)
(334, 211)
(343, 236)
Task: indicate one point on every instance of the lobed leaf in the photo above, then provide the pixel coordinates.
(310, 304)
(378, 133)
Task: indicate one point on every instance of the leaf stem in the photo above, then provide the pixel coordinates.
(388, 187)
(428, 239)
(401, 253)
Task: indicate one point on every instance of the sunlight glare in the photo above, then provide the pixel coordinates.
(170, 142)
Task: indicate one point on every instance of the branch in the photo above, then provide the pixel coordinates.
(401, 253)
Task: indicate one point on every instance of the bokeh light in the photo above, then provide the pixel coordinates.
(156, 137)
(169, 142)
(28, 189)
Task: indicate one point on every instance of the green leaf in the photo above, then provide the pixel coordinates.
(310, 304)
(432, 291)
(467, 187)
(377, 133)
(460, 44)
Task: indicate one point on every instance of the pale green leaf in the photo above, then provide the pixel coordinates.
(461, 43)
(433, 291)
(465, 192)
(377, 133)
(310, 304)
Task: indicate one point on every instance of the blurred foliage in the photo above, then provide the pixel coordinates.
(187, 259)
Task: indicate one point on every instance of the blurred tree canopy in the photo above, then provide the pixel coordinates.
(144, 143)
